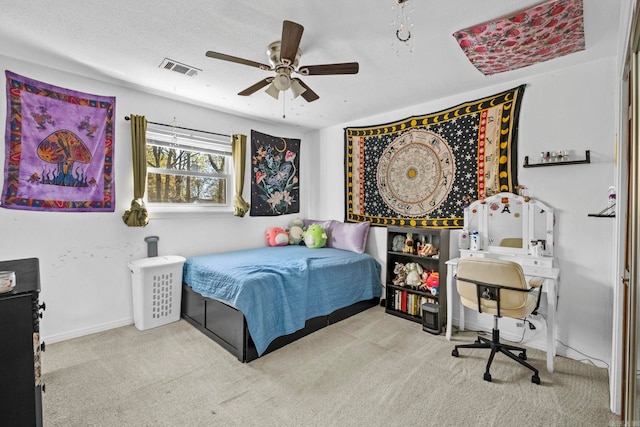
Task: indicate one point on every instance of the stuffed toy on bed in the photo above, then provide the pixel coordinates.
(296, 228)
(315, 236)
(277, 236)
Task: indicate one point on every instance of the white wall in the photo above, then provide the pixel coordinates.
(86, 284)
(83, 257)
(571, 109)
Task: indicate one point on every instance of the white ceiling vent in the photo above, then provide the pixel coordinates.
(176, 66)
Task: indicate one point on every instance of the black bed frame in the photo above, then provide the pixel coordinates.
(228, 327)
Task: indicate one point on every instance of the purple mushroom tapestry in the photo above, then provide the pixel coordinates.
(275, 175)
(58, 148)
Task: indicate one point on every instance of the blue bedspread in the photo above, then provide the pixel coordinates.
(279, 288)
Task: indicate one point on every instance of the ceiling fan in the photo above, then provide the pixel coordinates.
(284, 56)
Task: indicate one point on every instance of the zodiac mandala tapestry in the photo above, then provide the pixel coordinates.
(420, 171)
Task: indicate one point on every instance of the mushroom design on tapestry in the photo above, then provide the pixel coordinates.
(64, 149)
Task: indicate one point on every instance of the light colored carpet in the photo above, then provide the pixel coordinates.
(369, 370)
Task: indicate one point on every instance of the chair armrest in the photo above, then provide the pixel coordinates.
(536, 282)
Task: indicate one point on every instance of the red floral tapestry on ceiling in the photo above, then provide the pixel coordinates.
(547, 31)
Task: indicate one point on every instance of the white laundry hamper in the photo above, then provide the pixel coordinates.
(157, 290)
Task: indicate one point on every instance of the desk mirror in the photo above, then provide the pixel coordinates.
(541, 225)
(507, 223)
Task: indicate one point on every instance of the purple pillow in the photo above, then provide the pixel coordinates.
(325, 223)
(350, 237)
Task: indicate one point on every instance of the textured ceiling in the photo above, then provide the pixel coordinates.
(125, 42)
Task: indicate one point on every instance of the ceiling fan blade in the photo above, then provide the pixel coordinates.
(256, 87)
(224, 57)
(290, 42)
(308, 94)
(329, 69)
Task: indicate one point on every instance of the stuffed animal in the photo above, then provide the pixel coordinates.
(408, 244)
(315, 236)
(414, 274)
(401, 274)
(296, 228)
(397, 243)
(277, 236)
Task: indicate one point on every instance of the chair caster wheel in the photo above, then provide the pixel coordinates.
(523, 356)
(535, 379)
(454, 352)
(487, 377)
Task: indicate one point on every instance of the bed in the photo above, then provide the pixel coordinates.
(254, 301)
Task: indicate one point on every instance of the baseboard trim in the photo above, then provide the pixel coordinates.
(50, 339)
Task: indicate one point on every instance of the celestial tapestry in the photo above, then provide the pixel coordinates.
(58, 148)
(275, 175)
(547, 31)
(422, 170)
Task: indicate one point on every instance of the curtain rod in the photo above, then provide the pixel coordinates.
(180, 127)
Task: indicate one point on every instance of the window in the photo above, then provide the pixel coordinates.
(188, 171)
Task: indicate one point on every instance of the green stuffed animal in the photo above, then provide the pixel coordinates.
(296, 228)
(314, 237)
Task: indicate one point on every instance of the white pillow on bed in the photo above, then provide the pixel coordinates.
(341, 235)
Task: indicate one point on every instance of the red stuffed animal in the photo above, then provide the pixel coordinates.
(277, 236)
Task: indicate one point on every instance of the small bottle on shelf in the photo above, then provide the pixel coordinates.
(612, 201)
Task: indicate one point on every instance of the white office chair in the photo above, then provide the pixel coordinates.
(497, 287)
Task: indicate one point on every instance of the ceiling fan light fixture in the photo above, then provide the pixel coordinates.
(297, 89)
(282, 81)
(272, 90)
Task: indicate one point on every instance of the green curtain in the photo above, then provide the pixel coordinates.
(138, 216)
(238, 150)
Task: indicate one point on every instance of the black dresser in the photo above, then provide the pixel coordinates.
(20, 376)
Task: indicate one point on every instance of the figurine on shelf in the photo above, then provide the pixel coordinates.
(427, 249)
(431, 282)
(409, 247)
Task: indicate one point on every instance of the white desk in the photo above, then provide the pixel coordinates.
(531, 266)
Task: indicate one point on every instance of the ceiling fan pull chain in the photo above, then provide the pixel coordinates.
(283, 101)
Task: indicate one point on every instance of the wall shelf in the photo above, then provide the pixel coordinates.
(608, 212)
(587, 159)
